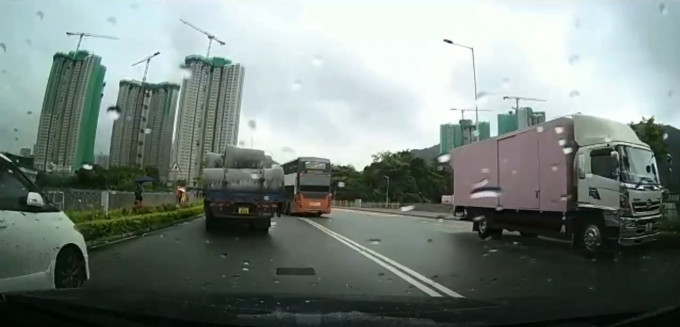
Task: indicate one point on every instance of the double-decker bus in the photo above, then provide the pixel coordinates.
(307, 184)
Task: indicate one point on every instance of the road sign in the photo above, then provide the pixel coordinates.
(175, 167)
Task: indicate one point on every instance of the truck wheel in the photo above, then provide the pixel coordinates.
(209, 224)
(261, 227)
(592, 238)
(484, 231)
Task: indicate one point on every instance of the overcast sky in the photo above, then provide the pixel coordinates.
(346, 79)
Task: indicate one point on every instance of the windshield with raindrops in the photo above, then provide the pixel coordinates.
(339, 162)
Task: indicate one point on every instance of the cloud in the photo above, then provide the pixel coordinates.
(369, 76)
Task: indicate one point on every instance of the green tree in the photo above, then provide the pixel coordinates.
(652, 134)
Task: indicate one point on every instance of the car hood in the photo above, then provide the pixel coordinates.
(285, 309)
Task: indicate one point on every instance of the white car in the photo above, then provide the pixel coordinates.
(40, 247)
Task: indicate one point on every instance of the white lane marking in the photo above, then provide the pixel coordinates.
(386, 262)
(401, 275)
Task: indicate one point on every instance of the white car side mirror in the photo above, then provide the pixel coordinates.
(34, 199)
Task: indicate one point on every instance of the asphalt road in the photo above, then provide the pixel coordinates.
(374, 254)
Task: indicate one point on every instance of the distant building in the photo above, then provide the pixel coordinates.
(25, 152)
(455, 135)
(68, 120)
(524, 118)
(142, 136)
(102, 160)
(507, 123)
(209, 113)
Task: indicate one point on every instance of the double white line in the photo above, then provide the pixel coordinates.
(421, 282)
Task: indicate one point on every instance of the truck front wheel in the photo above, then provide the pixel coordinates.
(592, 238)
(484, 231)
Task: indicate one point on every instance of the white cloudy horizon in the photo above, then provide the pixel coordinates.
(348, 79)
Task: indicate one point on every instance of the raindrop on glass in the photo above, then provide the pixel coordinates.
(207, 241)
(493, 250)
(296, 86)
(276, 281)
(539, 129)
(567, 150)
(111, 20)
(665, 136)
(254, 176)
(162, 236)
(553, 168)
(499, 208)
(223, 255)
(573, 59)
(40, 14)
(29, 112)
(481, 95)
(374, 241)
(440, 220)
(515, 243)
(113, 112)
(506, 83)
(565, 197)
(429, 240)
(252, 124)
(663, 9)
(185, 71)
(574, 94)
(241, 143)
(444, 158)
(245, 268)
(147, 131)
(4, 47)
(317, 61)
(407, 208)
(246, 263)
(559, 129)
(287, 149)
(485, 170)
(28, 42)
(87, 167)
(562, 142)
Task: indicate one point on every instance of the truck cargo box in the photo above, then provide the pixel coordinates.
(529, 169)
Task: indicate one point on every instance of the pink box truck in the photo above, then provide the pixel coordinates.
(586, 179)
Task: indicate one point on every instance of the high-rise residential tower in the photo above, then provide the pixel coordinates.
(142, 136)
(209, 113)
(68, 120)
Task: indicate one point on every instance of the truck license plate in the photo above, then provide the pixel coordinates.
(315, 204)
(648, 227)
(243, 211)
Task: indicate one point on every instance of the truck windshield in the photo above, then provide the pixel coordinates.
(638, 165)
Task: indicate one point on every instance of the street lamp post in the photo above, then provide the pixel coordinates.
(387, 191)
(474, 78)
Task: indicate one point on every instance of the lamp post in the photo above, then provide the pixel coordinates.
(474, 78)
(387, 192)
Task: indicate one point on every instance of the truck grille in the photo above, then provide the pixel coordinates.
(647, 207)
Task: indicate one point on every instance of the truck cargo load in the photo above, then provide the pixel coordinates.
(237, 186)
(588, 179)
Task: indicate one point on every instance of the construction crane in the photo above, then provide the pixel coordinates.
(82, 35)
(210, 36)
(520, 98)
(462, 111)
(146, 68)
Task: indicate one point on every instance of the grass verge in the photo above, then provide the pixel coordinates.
(108, 229)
